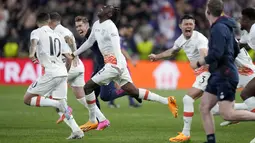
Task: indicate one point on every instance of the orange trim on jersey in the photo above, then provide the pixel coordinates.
(245, 71)
(38, 100)
(188, 114)
(146, 95)
(43, 70)
(110, 59)
(91, 102)
(200, 70)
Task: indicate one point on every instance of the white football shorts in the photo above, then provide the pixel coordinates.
(112, 73)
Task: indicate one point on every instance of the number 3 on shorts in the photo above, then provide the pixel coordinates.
(203, 79)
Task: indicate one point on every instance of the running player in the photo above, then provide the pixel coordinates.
(107, 92)
(105, 32)
(195, 45)
(126, 32)
(76, 72)
(49, 47)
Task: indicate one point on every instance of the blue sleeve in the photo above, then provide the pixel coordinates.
(217, 43)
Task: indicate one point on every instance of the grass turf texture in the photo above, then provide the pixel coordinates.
(152, 123)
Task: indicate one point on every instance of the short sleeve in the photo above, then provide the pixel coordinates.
(34, 35)
(202, 43)
(177, 43)
(251, 42)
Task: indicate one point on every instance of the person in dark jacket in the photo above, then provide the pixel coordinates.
(221, 88)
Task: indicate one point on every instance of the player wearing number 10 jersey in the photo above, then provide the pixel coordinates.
(49, 48)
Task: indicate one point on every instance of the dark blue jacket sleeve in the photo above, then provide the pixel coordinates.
(217, 43)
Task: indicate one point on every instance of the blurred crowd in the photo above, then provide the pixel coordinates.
(155, 21)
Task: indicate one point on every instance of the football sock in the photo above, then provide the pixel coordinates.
(40, 101)
(91, 101)
(211, 138)
(250, 102)
(187, 114)
(147, 95)
(71, 123)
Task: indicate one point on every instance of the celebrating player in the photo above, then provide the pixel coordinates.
(195, 46)
(107, 92)
(76, 72)
(126, 31)
(49, 48)
(105, 32)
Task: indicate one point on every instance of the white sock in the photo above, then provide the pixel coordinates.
(91, 101)
(42, 101)
(215, 110)
(71, 123)
(147, 95)
(250, 102)
(100, 116)
(187, 114)
(83, 102)
(240, 106)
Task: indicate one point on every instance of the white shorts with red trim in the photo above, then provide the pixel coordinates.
(47, 85)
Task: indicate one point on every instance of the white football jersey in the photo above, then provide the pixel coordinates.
(244, 63)
(107, 36)
(192, 45)
(49, 51)
(61, 30)
(249, 38)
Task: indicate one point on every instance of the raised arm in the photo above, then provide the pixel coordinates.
(168, 53)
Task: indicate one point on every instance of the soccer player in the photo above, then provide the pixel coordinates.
(49, 47)
(248, 24)
(107, 92)
(105, 32)
(76, 72)
(195, 45)
(221, 88)
(126, 32)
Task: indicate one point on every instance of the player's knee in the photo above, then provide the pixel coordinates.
(104, 97)
(245, 94)
(226, 115)
(204, 108)
(27, 100)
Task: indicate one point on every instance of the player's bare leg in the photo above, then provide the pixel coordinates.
(91, 101)
(238, 106)
(147, 95)
(188, 106)
(248, 95)
(208, 101)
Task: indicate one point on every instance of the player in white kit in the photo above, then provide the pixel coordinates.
(105, 32)
(248, 24)
(195, 45)
(76, 72)
(49, 48)
(192, 46)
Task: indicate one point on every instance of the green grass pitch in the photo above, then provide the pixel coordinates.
(152, 123)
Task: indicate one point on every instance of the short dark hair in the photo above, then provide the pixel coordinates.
(55, 16)
(81, 18)
(187, 16)
(249, 12)
(115, 14)
(42, 17)
(215, 7)
(126, 26)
